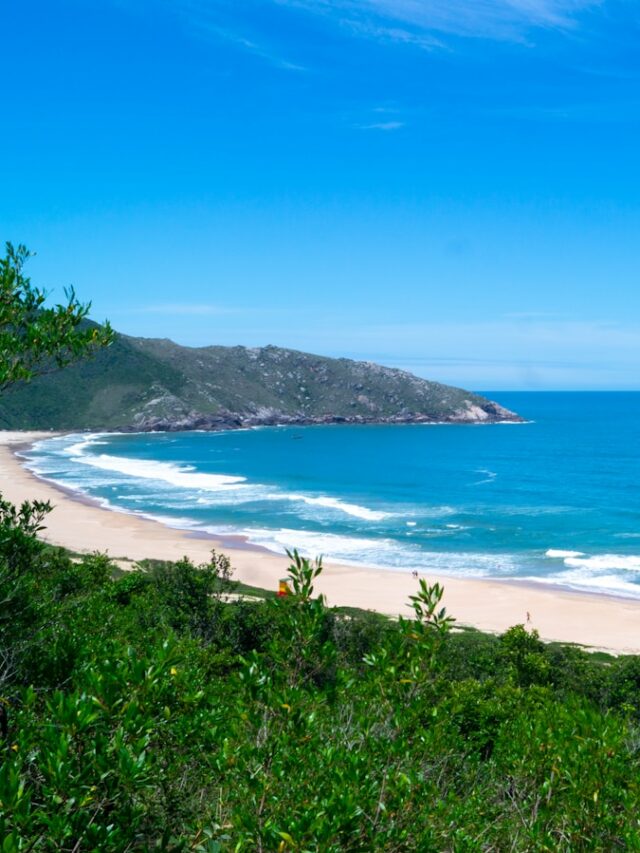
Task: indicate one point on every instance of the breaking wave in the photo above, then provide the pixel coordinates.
(186, 477)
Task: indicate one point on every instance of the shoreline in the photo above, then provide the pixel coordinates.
(80, 523)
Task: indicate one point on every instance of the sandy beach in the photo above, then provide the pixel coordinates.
(78, 523)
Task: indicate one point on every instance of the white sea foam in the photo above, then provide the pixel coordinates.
(79, 462)
(489, 476)
(437, 511)
(333, 503)
(180, 523)
(605, 562)
(608, 584)
(316, 543)
(555, 552)
(260, 493)
(168, 472)
(351, 509)
(447, 530)
(602, 584)
(615, 574)
(470, 423)
(220, 489)
(80, 447)
(384, 553)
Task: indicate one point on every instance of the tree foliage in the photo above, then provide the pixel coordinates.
(153, 710)
(36, 338)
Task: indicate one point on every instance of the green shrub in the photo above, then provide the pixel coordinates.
(147, 712)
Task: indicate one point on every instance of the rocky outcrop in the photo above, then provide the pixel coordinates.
(470, 414)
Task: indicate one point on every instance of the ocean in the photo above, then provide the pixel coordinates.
(555, 500)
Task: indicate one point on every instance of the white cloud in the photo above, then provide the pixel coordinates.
(417, 20)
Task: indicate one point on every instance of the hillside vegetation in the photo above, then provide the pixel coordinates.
(149, 712)
(139, 383)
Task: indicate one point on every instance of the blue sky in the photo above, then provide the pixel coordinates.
(447, 186)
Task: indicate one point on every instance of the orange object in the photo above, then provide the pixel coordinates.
(283, 587)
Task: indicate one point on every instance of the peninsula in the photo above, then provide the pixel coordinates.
(147, 384)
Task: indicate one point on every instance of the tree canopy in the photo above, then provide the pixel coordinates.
(36, 338)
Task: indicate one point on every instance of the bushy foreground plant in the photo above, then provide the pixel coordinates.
(148, 712)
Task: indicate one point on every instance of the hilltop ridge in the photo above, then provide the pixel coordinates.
(155, 384)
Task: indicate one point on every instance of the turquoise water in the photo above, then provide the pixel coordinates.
(556, 499)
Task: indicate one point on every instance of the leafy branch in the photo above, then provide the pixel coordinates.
(34, 338)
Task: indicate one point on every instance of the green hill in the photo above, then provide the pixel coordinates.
(147, 384)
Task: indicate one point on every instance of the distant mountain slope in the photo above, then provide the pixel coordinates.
(151, 384)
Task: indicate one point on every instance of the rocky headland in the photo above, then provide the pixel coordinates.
(145, 384)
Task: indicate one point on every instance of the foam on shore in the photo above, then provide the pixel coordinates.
(185, 477)
(408, 538)
(599, 621)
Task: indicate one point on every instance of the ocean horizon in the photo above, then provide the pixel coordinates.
(552, 500)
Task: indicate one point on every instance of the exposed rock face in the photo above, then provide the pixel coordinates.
(230, 420)
(147, 384)
(469, 413)
(489, 413)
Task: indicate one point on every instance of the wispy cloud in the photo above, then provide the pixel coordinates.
(369, 29)
(216, 20)
(239, 40)
(383, 125)
(419, 21)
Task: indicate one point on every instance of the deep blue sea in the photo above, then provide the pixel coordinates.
(556, 499)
